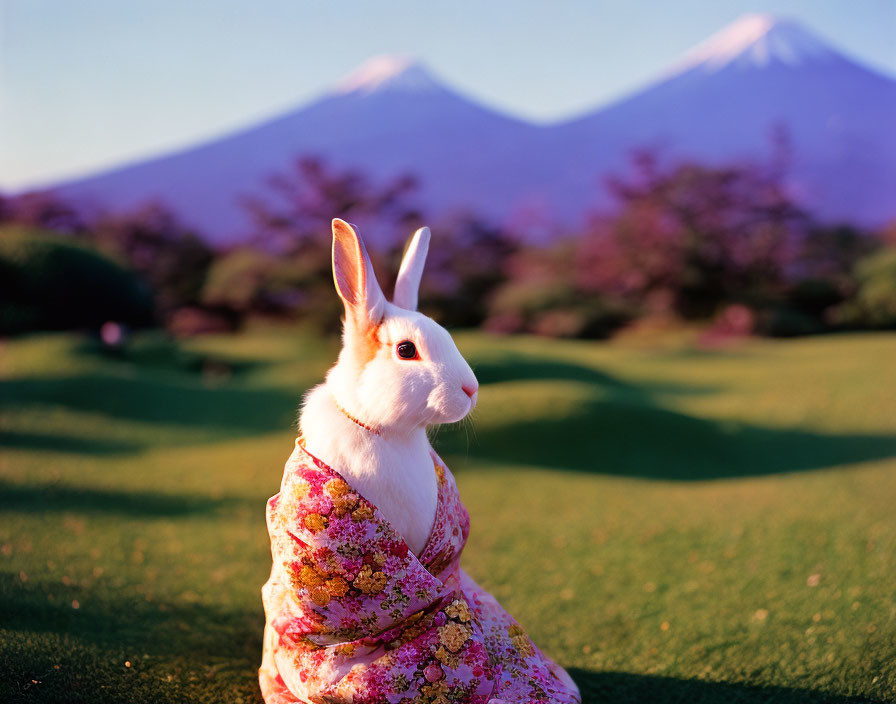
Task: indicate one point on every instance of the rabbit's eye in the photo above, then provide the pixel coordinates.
(407, 350)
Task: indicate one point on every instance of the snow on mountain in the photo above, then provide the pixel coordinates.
(720, 103)
(388, 72)
(726, 98)
(388, 118)
(756, 41)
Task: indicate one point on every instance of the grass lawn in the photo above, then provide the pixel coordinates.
(672, 525)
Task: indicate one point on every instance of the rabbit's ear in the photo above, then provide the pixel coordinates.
(407, 285)
(354, 277)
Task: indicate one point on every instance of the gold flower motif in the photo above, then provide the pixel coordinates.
(520, 640)
(345, 649)
(315, 522)
(460, 610)
(319, 595)
(337, 587)
(344, 503)
(451, 660)
(362, 513)
(435, 690)
(336, 487)
(311, 576)
(370, 582)
(306, 575)
(523, 646)
(453, 635)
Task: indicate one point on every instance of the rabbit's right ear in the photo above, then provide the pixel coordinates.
(354, 278)
(407, 285)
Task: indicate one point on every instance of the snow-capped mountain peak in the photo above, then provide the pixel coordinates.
(388, 73)
(392, 117)
(756, 41)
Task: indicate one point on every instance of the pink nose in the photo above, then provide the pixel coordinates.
(470, 389)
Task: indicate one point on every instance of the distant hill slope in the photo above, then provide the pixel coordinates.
(721, 102)
(390, 117)
(726, 98)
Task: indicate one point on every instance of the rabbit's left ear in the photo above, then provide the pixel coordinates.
(354, 277)
(407, 285)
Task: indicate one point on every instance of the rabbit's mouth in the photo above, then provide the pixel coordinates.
(470, 405)
(453, 414)
(451, 404)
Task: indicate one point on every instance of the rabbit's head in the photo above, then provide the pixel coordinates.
(398, 369)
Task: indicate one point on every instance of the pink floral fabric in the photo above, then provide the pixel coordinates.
(354, 616)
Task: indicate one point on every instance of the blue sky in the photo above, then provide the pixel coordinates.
(86, 84)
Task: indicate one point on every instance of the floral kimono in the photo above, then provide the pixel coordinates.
(354, 616)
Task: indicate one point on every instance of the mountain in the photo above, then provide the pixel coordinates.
(721, 102)
(389, 117)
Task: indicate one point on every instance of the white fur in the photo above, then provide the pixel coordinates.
(407, 283)
(400, 398)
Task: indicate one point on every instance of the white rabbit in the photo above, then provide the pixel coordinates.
(398, 372)
(351, 614)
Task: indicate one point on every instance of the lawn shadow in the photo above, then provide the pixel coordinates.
(635, 440)
(161, 353)
(624, 429)
(65, 443)
(628, 688)
(57, 498)
(228, 408)
(164, 644)
(518, 367)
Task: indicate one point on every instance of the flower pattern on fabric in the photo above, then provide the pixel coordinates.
(354, 616)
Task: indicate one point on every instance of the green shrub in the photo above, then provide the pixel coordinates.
(874, 302)
(52, 282)
(554, 309)
(242, 280)
(247, 281)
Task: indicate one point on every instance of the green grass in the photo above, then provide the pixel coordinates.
(673, 525)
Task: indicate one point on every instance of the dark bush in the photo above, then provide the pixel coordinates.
(786, 321)
(168, 255)
(52, 282)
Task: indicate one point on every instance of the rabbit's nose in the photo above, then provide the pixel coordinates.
(470, 389)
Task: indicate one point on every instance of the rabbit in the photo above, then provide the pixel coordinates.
(398, 372)
(366, 599)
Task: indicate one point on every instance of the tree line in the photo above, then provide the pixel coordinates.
(726, 246)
